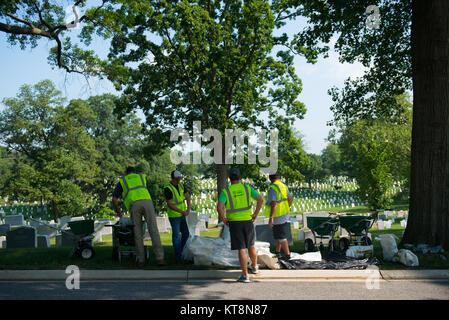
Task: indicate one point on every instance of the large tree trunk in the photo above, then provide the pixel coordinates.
(429, 183)
(222, 174)
(55, 210)
(103, 194)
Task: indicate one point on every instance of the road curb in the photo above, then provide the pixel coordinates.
(415, 274)
(193, 275)
(88, 275)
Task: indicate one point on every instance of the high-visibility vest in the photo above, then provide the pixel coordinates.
(238, 202)
(282, 199)
(177, 200)
(134, 188)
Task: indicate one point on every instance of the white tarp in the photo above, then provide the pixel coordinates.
(217, 251)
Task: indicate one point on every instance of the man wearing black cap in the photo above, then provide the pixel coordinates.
(236, 199)
(133, 189)
(278, 209)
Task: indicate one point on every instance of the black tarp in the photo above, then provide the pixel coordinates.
(330, 260)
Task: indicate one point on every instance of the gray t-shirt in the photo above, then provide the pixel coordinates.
(272, 196)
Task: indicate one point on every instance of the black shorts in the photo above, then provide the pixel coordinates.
(280, 231)
(242, 234)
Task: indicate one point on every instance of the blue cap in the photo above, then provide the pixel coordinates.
(234, 174)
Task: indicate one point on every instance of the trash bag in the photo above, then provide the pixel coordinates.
(268, 261)
(424, 248)
(389, 246)
(336, 260)
(407, 258)
(308, 256)
(359, 252)
(192, 221)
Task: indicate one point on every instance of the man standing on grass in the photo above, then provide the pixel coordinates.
(175, 194)
(133, 190)
(278, 203)
(236, 200)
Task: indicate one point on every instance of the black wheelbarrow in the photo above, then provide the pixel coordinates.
(123, 243)
(83, 233)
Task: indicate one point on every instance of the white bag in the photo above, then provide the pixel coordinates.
(407, 258)
(359, 252)
(308, 256)
(389, 247)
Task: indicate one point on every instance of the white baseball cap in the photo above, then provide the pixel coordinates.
(177, 174)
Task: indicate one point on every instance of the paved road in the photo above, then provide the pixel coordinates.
(203, 290)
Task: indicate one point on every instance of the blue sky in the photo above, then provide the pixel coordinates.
(30, 66)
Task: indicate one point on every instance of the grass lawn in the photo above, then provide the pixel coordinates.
(58, 258)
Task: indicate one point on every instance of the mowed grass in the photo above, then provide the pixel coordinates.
(59, 258)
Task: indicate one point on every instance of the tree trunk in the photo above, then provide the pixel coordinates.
(103, 194)
(54, 207)
(429, 183)
(222, 175)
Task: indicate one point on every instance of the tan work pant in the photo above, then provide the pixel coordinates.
(145, 208)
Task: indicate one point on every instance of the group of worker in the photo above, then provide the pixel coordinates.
(234, 208)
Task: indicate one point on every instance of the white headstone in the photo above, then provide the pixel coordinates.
(15, 220)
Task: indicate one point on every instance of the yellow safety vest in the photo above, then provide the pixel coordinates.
(177, 200)
(134, 188)
(282, 199)
(238, 202)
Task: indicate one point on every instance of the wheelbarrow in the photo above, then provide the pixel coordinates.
(83, 233)
(357, 228)
(123, 236)
(322, 228)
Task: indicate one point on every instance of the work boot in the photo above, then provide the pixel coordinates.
(285, 258)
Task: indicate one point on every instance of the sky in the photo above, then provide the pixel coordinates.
(29, 66)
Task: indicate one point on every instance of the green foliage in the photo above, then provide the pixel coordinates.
(331, 159)
(100, 211)
(386, 52)
(315, 169)
(52, 153)
(373, 172)
(376, 153)
(159, 169)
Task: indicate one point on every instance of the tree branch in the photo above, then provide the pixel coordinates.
(22, 30)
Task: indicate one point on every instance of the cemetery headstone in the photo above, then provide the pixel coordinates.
(65, 239)
(162, 224)
(46, 230)
(265, 233)
(64, 220)
(23, 237)
(15, 220)
(4, 228)
(43, 241)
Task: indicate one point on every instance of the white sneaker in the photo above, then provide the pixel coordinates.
(254, 270)
(243, 278)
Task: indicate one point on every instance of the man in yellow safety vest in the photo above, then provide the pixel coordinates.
(236, 201)
(278, 205)
(133, 190)
(176, 196)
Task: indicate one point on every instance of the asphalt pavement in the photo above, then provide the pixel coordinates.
(227, 290)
